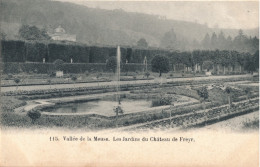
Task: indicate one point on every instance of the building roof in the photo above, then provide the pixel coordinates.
(59, 30)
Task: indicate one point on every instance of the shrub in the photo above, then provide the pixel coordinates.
(203, 93)
(99, 75)
(17, 80)
(73, 78)
(86, 73)
(161, 102)
(52, 74)
(34, 115)
(147, 74)
(10, 76)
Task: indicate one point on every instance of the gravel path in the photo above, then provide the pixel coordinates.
(234, 124)
(78, 85)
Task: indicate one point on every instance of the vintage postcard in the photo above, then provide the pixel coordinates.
(129, 83)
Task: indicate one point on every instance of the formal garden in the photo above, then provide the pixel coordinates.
(119, 89)
(146, 101)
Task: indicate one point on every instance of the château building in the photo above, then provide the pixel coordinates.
(59, 34)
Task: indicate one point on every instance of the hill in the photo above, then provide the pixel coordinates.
(99, 26)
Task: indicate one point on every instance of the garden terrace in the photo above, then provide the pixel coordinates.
(30, 90)
(201, 117)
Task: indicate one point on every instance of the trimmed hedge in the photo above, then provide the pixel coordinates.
(13, 51)
(21, 51)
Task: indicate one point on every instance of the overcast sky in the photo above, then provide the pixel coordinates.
(219, 13)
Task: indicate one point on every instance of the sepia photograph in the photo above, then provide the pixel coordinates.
(156, 79)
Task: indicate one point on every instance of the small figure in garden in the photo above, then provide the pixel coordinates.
(118, 110)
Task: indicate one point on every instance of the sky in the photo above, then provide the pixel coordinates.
(221, 14)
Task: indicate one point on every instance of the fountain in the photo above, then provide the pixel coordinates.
(118, 58)
(118, 109)
(145, 63)
(105, 104)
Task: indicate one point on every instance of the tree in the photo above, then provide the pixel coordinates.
(208, 65)
(251, 65)
(224, 59)
(196, 59)
(34, 115)
(160, 64)
(111, 64)
(256, 60)
(142, 43)
(169, 40)
(186, 60)
(206, 42)
(229, 43)
(241, 60)
(27, 32)
(2, 35)
(221, 41)
(214, 41)
(240, 41)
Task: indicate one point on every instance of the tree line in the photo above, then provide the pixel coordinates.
(240, 43)
(225, 58)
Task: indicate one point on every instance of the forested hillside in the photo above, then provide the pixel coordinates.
(106, 27)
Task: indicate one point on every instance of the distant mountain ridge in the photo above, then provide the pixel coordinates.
(100, 26)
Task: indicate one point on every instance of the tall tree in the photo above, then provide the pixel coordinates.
(214, 41)
(229, 43)
(221, 41)
(240, 41)
(197, 59)
(169, 40)
(27, 32)
(142, 43)
(2, 35)
(206, 42)
(256, 60)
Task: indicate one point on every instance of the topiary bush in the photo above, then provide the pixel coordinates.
(111, 64)
(58, 64)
